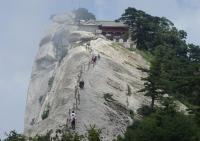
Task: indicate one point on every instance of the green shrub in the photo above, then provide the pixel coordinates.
(94, 134)
(50, 83)
(163, 126)
(45, 113)
(40, 99)
(46, 137)
(14, 136)
(145, 110)
(64, 134)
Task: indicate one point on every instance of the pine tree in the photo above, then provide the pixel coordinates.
(152, 86)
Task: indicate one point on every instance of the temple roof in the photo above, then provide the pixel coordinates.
(104, 23)
(111, 24)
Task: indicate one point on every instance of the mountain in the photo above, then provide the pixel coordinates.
(110, 89)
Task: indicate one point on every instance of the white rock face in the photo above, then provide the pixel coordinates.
(61, 57)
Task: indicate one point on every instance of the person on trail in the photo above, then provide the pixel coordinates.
(73, 120)
(99, 56)
(81, 84)
(92, 61)
(95, 59)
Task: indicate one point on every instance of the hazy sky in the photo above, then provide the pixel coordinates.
(23, 23)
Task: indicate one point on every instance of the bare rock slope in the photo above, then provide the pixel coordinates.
(62, 61)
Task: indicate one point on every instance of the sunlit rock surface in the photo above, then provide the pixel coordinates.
(104, 102)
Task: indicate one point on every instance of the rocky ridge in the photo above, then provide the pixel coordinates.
(62, 61)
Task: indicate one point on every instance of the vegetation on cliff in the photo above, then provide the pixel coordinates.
(175, 67)
(174, 70)
(93, 134)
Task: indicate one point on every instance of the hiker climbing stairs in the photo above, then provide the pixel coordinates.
(82, 94)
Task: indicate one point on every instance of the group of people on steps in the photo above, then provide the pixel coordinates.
(93, 60)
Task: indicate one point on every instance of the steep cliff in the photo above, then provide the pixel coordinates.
(111, 84)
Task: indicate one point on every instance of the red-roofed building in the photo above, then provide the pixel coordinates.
(110, 29)
(113, 30)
